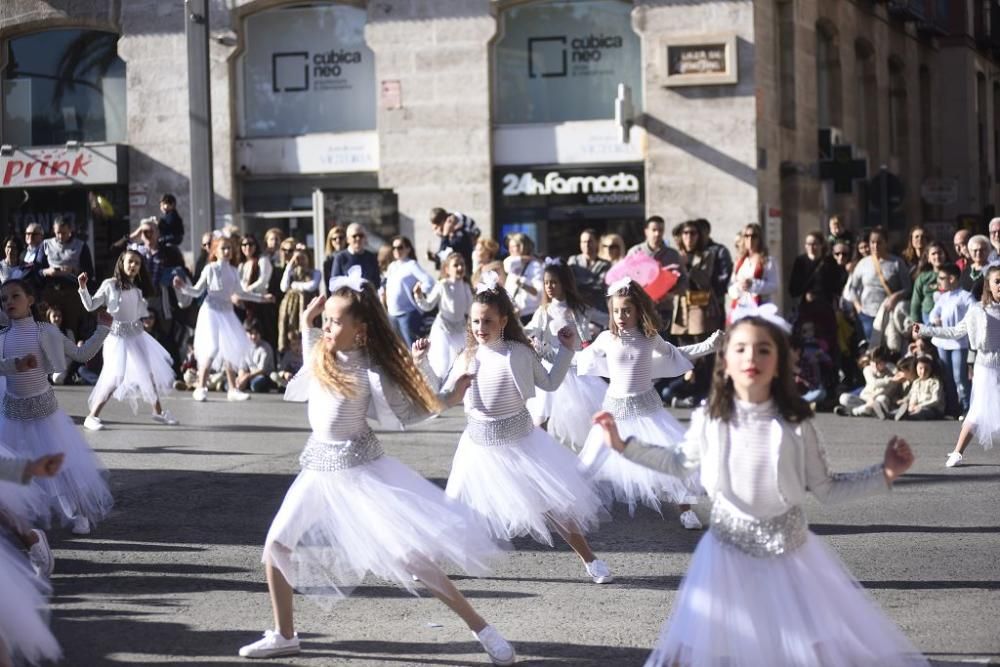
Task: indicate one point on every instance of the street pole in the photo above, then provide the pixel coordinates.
(200, 115)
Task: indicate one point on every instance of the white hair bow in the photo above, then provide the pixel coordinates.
(552, 261)
(446, 253)
(619, 285)
(490, 280)
(353, 279)
(767, 311)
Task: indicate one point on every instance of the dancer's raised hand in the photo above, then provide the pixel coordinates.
(898, 458)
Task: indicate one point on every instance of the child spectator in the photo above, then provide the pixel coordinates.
(189, 370)
(949, 309)
(881, 388)
(808, 361)
(290, 362)
(257, 375)
(925, 397)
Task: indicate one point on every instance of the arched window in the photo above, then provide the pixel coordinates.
(828, 83)
(64, 85)
(899, 129)
(866, 95)
(307, 69)
(560, 60)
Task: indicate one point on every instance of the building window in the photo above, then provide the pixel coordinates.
(867, 96)
(558, 61)
(828, 83)
(786, 61)
(898, 118)
(927, 147)
(64, 85)
(307, 70)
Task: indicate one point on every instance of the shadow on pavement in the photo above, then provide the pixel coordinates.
(844, 529)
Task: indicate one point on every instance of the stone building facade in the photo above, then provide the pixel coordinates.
(505, 110)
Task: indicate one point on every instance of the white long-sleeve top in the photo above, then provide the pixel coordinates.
(519, 273)
(753, 487)
(547, 321)
(797, 463)
(221, 282)
(400, 277)
(311, 285)
(260, 285)
(334, 417)
(493, 394)
(24, 338)
(123, 305)
(453, 299)
(764, 287)
(631, 361)
(982, 325)
(52, 349)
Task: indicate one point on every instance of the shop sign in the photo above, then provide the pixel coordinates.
(572, 186)
(939, 191)
(699, 60)
(59, 166)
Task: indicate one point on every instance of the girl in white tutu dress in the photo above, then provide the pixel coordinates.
(219, 337)
(453, 297)
(21, 506)
(136, 367)
(512, 473)
(24, 634)
(982, 325)
(352, 509)
(31, 422)
(632, 355)
(761, 588)
(565, 412)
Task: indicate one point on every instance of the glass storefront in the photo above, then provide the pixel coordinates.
(307, 70)
(559, 61)
(64, 85)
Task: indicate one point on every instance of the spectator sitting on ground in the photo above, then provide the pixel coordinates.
(257, 375)
(878, 389)
(55, 318)
(809, 362)
(924, 399)
(290, 362)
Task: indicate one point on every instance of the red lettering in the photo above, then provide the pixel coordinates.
(27, 169)
(59, 167)
(80, 165)
(14, 168)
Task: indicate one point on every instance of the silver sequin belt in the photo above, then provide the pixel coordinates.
(218, 304)
(636, 405)
(760, 538)
(119, 328)
(493, 432)
(341, 454)
(32, 407)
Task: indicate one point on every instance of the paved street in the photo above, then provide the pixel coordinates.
(174, 575)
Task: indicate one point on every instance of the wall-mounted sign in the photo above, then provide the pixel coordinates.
(700, 60)
(61, 166)
(517, 187)
(326, 153)
(939, 190)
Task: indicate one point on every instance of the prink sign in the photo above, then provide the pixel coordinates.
(590, 187)
(297, 71)
(566, 55)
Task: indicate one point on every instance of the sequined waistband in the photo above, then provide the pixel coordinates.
(119, 328)
(218, 303)
(988, 359)
(760, 538)
(493, 432)
(31, 407)
(636, 405)
(340, 455)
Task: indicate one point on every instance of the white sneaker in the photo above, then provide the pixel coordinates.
(690, 520)
(272, 645)
(81, 525)
(954, 459)
(498, 648)
(93, 423)
(200, 394)
(40, 555)
(237, 395)
(599, 571)
(165, 417)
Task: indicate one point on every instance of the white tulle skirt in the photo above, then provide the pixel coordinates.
(622, 480)
(984, 405)
(800, 609)
(219, 338)
(21, 504)
(445, 347)
(525, 487)
(136, 368)
(382, 518)
(570, 408)
(23, 628)
(81, 486)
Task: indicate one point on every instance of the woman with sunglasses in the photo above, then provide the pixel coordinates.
(255, 275)
(401, 276)
(755, 278)
(336, 240)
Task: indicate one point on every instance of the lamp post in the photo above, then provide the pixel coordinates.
(202, 190)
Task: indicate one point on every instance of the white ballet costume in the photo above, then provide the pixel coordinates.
(570, 408)
(22, 505)
(136, 367)
(33, 425)
(632, 361)
(761, 588)
(982, 325)
(353, 510)
(512, 473)
(219, 337)
(447, 336)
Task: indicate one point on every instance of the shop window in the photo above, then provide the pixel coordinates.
(558, 61)
(63, 85)
(307, 70)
